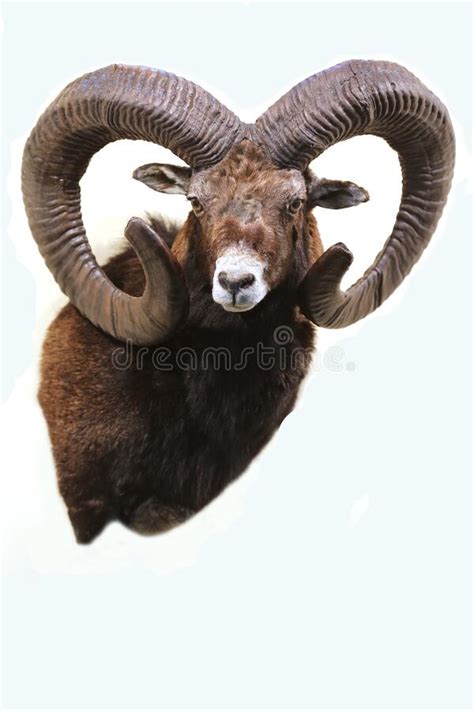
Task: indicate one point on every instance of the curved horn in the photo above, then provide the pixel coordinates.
(103, 106)
(352, 99)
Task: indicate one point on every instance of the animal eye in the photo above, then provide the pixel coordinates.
(294, 206)
(196, 205)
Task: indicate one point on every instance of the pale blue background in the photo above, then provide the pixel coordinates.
(289, 609)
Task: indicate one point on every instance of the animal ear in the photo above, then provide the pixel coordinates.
(164, 178)
(335, 194)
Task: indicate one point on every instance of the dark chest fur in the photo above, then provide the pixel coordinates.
(210, 401)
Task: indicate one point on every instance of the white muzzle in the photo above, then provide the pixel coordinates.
(238, 283)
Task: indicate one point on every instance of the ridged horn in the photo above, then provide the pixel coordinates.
(117, 102)
(353, 99)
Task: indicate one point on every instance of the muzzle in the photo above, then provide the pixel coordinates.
(238, 282)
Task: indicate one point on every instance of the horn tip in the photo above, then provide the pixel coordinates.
(341, 254)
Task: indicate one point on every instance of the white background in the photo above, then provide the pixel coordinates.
(337, 572)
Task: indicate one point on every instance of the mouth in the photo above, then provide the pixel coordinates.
(241, 301)
(236, 308)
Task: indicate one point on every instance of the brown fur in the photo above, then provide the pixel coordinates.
(150, 447)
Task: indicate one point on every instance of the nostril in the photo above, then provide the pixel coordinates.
(245, 280)
(223, 280)
(235, 282)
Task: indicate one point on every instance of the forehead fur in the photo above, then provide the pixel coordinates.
(247, 168)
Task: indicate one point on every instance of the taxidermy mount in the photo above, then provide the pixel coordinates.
(151, 439)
